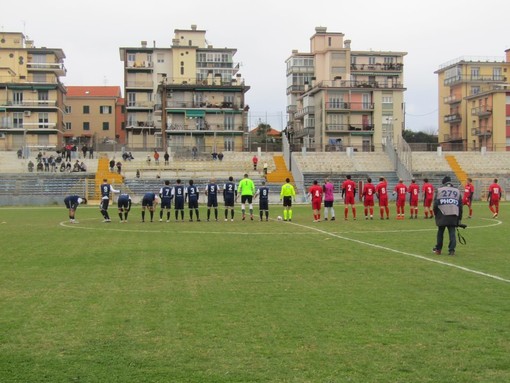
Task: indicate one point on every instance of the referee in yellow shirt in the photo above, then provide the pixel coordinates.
(287, 194)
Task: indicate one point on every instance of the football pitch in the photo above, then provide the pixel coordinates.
(249, 301)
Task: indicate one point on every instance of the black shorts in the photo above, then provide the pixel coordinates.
(193, 204)
(212, 202)
(246, 198)
(104, 204)
(123, 203)
(264, 204)
(328, 203)
(229, 201)
(166, 203)
(146, 202)
(179, 204)
(69, 204)
(287, 201)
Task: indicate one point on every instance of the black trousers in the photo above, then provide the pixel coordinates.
(440, 234)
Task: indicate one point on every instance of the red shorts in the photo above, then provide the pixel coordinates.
(349, 200)
(316, 204)
(413, 202)
(383, 201)
(401, 201)
(466, 201)
(427, 202)
(368, 202)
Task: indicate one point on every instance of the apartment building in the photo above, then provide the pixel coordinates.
(94, 116)
(339, 98)
(474, 104)
(189, 95)
(31, 94)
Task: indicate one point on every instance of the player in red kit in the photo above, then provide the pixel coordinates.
(495, 192)
(467, 198)
(368, 198)
(401, 191)
(315, 193)
(381, 191)
(348, 194)
(428, 196)
(414, 196)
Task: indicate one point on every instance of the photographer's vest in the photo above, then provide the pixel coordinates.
(448, 200)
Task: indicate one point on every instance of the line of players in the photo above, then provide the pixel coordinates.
(318, 194)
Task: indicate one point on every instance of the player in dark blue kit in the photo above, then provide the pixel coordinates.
(124, 206)
(192, 197)
(263, 194)
(211, 191)
(178, 195)
(149, 201)
(165, 193)
(72, 202)
(229, 196)
(106, 190)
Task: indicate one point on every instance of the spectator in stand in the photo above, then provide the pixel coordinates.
(220, 156)
(84, 149)
(255, 161)
(119, 167)
(156, 157)
(30, 166)
(91, 152)
(112, 164)
(467, 198)
(20, 154)
(166, 156)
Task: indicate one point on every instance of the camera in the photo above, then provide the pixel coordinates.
(461, 225)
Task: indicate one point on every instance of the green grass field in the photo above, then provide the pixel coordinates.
(343, 301)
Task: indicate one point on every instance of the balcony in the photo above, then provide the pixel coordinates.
(140, 105)
(473, 79)
(360, 84)
(453, 99)
(302, 112)
(139, 65)
(352, 128)
(378, 67)
(485, 131)
(32, 103)
(452, 118)
(139, 84)
(349, 106)
(482, 111)
(57, 68)
(452, 137)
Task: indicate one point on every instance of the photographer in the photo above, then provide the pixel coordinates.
(448, 214)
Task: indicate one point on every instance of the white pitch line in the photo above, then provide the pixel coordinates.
(406, 253)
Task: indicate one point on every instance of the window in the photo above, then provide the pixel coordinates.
(106, 126)
(105, 110)
(228, 144)
(371, 60)
(475, 89)
(131, 57)
(17, 120)
(86, 126)
(160, 58)
(387, 99)
(131, 99)
(86, 109)
(229, 122)
(475, 73)
(43, 97)
(68, 109)
(17, 98)
(68, 126)
(43, 120)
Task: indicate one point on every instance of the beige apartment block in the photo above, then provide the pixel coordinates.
(338, 98)
(31, 94)
(94, 116)
(474, 112)
(185, 98)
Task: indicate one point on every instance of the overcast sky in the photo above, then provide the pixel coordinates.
(265, 33)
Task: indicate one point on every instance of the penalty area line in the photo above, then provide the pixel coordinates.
(466, 269)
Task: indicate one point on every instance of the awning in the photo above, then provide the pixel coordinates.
(195, 113)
